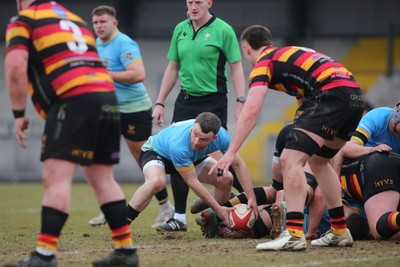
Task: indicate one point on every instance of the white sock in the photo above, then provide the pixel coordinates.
(180, 217)
(44, 251)
(166, 206)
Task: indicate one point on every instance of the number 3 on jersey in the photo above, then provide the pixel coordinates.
(80, 46)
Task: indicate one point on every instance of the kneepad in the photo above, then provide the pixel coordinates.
(259, 229)
(326, 152)
(311, 181)
(300, 141)
(277, 185)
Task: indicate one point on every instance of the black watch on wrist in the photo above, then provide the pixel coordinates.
(241, 99)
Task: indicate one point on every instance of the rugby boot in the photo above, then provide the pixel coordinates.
(172, 225)
(98, 220)
(120, 258)
(278, 216)
(330, 239)
(164, 216)
(34, 260)
(210, 223)
(284, 242)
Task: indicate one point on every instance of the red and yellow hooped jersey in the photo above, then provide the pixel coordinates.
(63, 59)
(299, 71)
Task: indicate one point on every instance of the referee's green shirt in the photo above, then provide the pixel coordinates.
(202, 55)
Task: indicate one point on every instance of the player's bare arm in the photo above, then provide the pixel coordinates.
(133, 73)
(168, 82)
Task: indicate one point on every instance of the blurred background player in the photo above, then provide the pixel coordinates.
(122, 58)
(52, 54)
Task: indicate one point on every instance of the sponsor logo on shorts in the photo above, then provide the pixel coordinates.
(86, 154)
(131, 129)
(357, 97)
(329, 130)
(115, 155)
(383, 182)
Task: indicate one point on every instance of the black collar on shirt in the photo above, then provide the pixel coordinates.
(211, 20)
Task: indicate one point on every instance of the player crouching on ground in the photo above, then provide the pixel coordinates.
(182, 148)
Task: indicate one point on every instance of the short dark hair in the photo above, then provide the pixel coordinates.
(101, 10)
(208, 122)
(358, 226)
(257, 36)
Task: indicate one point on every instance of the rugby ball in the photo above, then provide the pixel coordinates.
(241, 218)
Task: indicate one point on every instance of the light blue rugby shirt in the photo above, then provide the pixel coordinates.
(173, 143)
(116, 55)
(375, 127)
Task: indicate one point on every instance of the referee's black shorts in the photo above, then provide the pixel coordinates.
(189, 107)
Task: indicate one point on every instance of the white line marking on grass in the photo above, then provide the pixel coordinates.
(315, 263)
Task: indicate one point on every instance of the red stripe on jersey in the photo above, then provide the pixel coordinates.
(55, 28)
(339, 83)
(326, 66)
(69, 55)
(279, 52)
(258, 84)
(75, 73)
(303, 57)
(46, 30)
(105, 87)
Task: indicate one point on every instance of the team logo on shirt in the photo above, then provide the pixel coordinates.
(128, 57)
(131, 129)
(206, 36)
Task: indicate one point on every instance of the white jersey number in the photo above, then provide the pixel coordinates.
(80, 46)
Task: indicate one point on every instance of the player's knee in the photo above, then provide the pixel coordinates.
(383, 227)
(228, 181)
(156, 184)
(300, 141)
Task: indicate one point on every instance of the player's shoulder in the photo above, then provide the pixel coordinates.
(376, 120)
(222, 25)
(183, 24)
(122, 37)
(378, 113)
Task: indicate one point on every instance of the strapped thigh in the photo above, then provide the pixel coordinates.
(300, 141)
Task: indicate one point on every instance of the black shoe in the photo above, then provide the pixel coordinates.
(119, 257)
(198, 206)
(172, 225)
(34, 260)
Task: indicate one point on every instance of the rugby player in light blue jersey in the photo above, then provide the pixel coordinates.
(183, 148)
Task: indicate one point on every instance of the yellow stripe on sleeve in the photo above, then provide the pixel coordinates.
(17, 32)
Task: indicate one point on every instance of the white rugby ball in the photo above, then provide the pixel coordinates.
(241, 218)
